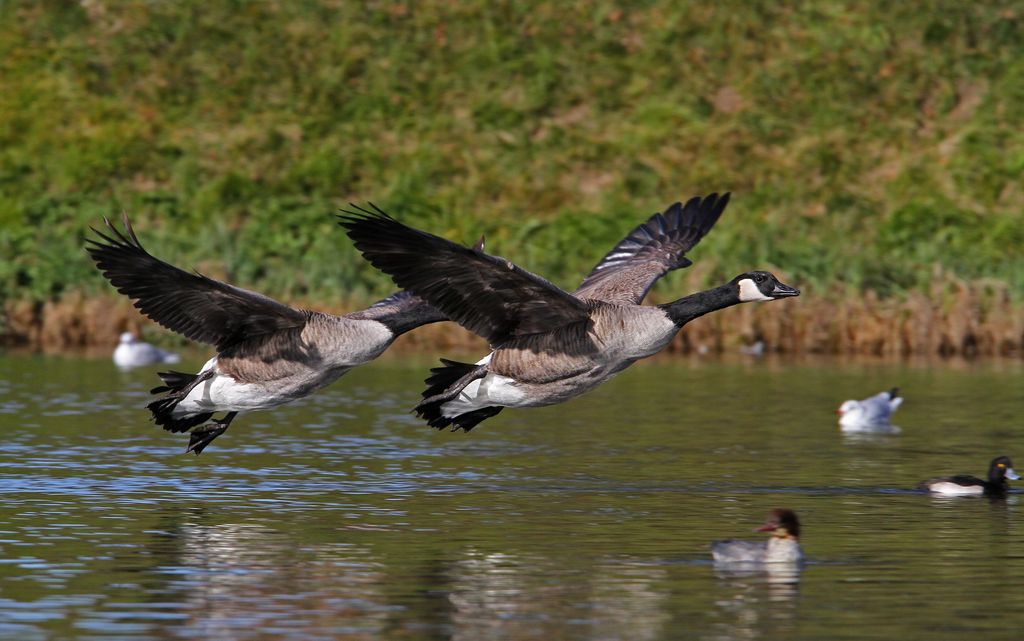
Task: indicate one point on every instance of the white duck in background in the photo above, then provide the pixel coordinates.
(131, 352)
(871, 414)
(782, 547)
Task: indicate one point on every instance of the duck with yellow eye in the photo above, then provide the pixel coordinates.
(999, 470)
(782, 547)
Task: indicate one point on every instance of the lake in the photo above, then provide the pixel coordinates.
(345, 517)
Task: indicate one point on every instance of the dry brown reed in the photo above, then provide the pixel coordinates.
(70, 323)
(955, 318)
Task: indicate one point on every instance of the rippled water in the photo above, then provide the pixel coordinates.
(344, 517)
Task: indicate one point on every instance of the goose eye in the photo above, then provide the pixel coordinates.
(759, 278)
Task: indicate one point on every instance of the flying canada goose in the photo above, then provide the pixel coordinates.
(268, 353)
(871, 414)
(782, 547)
(549, 345)
(132, 352)
(999, 470)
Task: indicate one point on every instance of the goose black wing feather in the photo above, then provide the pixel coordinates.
(199, 308)
(654, 248)
(487, 295)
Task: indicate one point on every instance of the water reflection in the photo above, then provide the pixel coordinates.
(757, 602)
(491, 592)
(633, 601)
(862, 438)
(228, 579)
(343, 517)
(496, 594)
(224, 579)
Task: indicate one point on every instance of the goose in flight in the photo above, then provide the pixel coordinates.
(268, 353)
(549, 345)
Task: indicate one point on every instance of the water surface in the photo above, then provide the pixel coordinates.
(344, 517)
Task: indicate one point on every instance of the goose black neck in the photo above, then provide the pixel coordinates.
(409, 319)
(696, 305)
(402, 316)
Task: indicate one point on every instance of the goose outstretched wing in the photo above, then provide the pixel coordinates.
(654, 248)
(487, 295)
(199, 308)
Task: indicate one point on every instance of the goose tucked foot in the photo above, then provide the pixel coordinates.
(177, 385)
(469, 420)
(203, 435)
(444, 384)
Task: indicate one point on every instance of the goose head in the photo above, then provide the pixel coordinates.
(127, 338)
(745, 288)
(754, 286)
(782, 523)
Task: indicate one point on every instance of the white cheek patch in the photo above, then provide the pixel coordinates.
(749, 291)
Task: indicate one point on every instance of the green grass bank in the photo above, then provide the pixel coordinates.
(875, 150)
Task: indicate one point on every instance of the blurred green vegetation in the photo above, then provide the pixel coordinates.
(864, 142)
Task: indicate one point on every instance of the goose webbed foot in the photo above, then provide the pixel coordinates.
(203, 435)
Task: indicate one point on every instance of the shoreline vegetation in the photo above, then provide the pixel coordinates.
(873, 150)
(956, 319)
